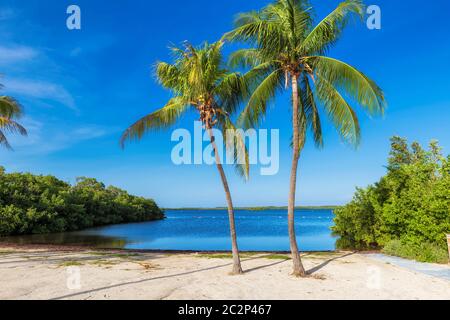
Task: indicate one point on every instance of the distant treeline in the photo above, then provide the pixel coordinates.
(258, 208)
(407, 212)
(31, 204)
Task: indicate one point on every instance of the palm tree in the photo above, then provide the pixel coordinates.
(286, 48)
(199, 82)
(10, 110)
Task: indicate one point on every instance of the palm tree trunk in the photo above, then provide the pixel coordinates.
(299, 270)
(237, 269)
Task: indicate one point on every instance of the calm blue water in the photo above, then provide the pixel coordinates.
(207, 230)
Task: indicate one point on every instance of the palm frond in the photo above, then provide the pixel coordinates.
(245, 58)
(263, 94)
(356, 84)
(310, 110)
(260, 30)
(328, 31)
(339, 111)
(10, 108)
(247, 25)
(303, 128)
(160, 119)
(9, 126)
(12, 126)
(4, 141)
(234, 141)
(231, 92)
(294, 17)
(168, 75)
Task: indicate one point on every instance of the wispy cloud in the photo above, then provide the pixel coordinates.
(24, 60)
(47, 138)
(16, 54)
(40, 90)
(89, 132)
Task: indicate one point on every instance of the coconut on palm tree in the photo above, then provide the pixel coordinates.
(10, 111)
(199, 82)
(288, 50)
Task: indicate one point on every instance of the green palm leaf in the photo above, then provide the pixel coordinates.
(356, 84)
(10, 109)
(235, 141)
(168, 75)
(245, 58)
(231, 91)
(263, 94)
(339, 111)
(328, 31)
(310, 110)
(160, 119)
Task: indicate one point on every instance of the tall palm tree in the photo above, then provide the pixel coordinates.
(10, 110)
(199, 82)
(288, 49)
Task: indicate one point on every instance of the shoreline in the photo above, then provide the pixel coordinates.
(264, 208)
(80, 248)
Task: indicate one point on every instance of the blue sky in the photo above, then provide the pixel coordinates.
(81, 88)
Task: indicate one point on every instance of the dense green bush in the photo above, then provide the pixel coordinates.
(410, 205)
(31, 204)
(424, 252)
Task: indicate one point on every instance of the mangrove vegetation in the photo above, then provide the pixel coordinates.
(407, 212)
(33, 204)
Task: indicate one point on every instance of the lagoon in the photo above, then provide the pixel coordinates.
(203, 230)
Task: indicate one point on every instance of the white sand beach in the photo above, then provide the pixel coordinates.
(100, 275)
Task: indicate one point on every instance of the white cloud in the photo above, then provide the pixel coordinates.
(89, 132)
(47, 138)
(27, 58)
(16, 54)
(40, 90)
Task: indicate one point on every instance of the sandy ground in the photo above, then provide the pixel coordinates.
(51, 274)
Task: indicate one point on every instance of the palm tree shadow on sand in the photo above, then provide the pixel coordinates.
(310, 272)
(327, 262)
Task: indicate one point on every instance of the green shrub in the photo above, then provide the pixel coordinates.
(31, 204)
(424, 252)
(411, 204)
